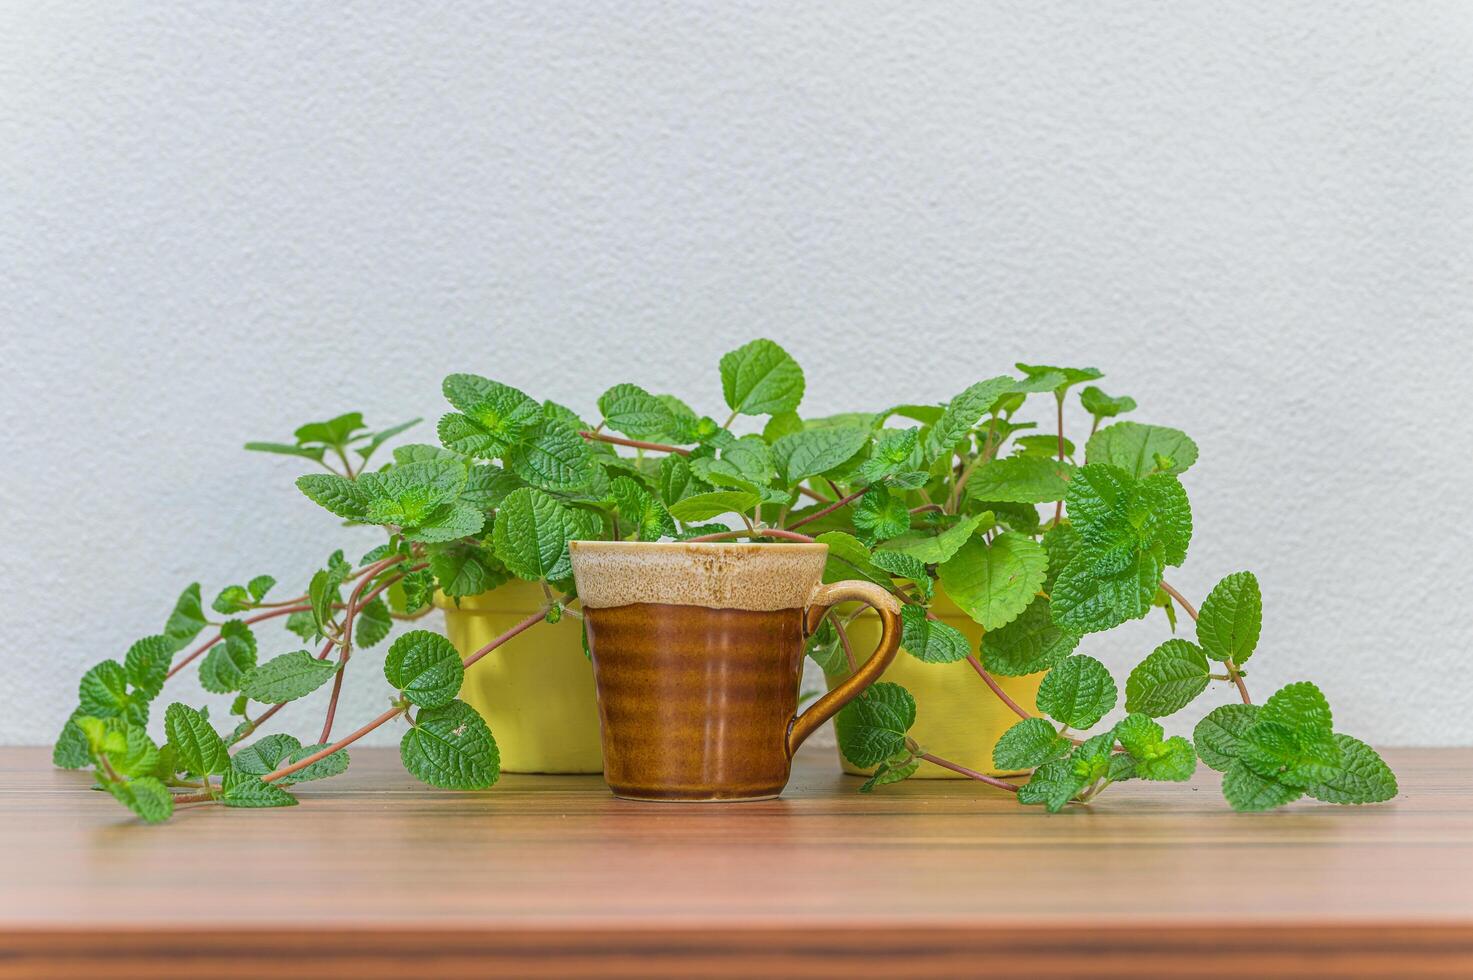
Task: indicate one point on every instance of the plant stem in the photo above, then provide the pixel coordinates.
(848, 650)
(830, 508)
(996, 689)
(194, 654)
(346, 641)
(969, 773)
(923, 508)
(658, 447)
(760, 532)
(397, 710)
(814, 494)
(1191, 610)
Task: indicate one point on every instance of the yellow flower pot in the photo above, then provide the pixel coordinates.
(958, 718)
(536, 690)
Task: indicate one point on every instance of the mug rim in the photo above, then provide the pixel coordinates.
(594, 543)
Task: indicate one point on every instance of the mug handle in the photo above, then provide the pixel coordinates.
(824, 597)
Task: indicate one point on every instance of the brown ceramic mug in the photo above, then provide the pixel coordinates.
(697, 654)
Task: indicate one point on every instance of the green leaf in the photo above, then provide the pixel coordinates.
(1053, 785)
(265, 755)
(1291, 741)
(1029, 644)
(140, 757)
(287, 677)
(259, 586)
(413, 495)
(929, 641)
(964, 412)
(553, 457)
(187, 619)
(531, 535)
(1156, 757)
(496, 416)
(760, 378)
(451, 747)
(814, 451)
(304, 625)
(885, 774)
(635, 412)
(1219, 736)
(1103, 406)
(147, 664)
(1078, 692)
(232, 599)
(1029, 744)
(1300, 706)
(287, 449)
(675, 480)
(933, 549)
(71, 751)
(823, 646)
(881, 515)
(197, 745)
(486, 486)
(1231, 618)
(752, 457)
(894, 451)
(1058, 379)
(373, 624)
(1020, 479)
(145, 796)
(338, 494)
(1167, 680)
(249, 792)
(645, 515)
(704, 506)
(333, 432)
(425, 668)
(1134, 448)
(872, 727)
(465, 569)
(1360, 777)
(226, 665)
(994, 583)
(1086, 601)
(1041, 446)
(849, 558)
(323, 592)
(1172, 761)
(448, 523)
(905, 566)
(103, 691)
(1246, 790)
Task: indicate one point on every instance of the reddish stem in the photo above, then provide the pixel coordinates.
(969, 773)
(658, 447)
(1002, 695)
(194, 654)
(397, 710)
(844, 639)
(354, 598)
(830, 508)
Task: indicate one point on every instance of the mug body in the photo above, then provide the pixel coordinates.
(697, 655)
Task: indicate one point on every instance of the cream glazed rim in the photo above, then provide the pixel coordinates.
(715, 574)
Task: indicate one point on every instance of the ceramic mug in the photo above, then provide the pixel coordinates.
(697, 653)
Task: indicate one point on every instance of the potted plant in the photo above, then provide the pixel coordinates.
(939, 508)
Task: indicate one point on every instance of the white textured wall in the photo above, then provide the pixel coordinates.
(219, 219)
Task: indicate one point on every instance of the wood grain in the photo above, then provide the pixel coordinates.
(376, 875)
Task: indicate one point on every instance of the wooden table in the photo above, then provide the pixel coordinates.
(548, 875)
